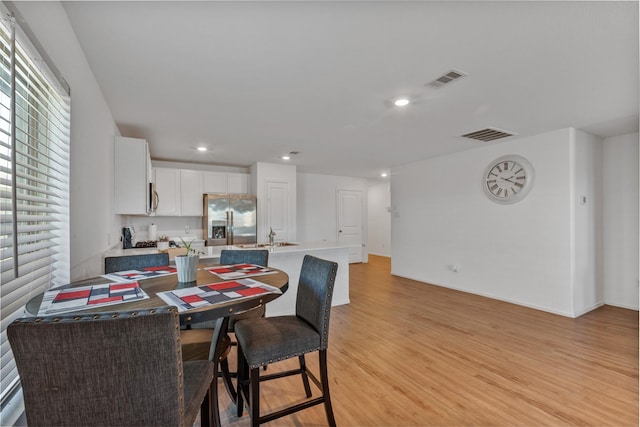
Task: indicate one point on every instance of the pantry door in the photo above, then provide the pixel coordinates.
(278, 210)
(350, 222)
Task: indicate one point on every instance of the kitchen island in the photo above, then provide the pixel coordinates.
(286, 258)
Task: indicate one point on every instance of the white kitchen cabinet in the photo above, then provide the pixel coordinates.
(132, 173)
(180, 190)
(215, 182)
(168, 188)
(226, 183)
(191, 189)
(238, 183)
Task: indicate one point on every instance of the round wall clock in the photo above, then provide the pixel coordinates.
(508, 179)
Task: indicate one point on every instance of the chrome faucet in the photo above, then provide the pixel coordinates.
(271, 236)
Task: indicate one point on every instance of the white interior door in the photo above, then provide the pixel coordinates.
(277, 209)
(350, 222)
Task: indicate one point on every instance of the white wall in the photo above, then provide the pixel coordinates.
(379, 197)
(317, 207)
(519, 253)
(93, 225)
(620, 213)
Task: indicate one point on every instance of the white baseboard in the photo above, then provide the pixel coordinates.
(495, 297)
(628, 307)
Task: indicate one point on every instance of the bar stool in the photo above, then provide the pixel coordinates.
(197, 340)
(272, 339)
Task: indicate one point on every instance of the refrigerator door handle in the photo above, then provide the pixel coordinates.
(231, 242)
(229, 239)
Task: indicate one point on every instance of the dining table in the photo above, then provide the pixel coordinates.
(218, 312)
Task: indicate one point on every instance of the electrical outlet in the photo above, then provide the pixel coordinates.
(187, 229)
(453, 268)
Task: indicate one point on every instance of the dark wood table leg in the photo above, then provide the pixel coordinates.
(219, 349)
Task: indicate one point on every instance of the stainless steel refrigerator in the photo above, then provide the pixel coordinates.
(229, 219)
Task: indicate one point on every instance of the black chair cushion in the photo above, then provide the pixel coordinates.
(270, 339)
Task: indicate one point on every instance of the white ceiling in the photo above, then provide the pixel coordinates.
(253, 80)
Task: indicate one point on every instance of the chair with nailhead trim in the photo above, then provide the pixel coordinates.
(135, 262)
(109, 369)
(272, 339)
(196, 342)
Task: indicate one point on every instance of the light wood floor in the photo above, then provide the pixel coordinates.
(404, 353)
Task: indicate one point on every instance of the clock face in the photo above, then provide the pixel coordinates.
(508, 179)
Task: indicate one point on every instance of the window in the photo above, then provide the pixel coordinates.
(34, 181)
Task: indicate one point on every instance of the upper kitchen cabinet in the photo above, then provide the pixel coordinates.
(226, 183)
(167, 182)
(179, 191)
(132, 176)
(237, 183)
(215, 182)
(191, 190)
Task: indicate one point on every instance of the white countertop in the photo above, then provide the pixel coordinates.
(214, 251)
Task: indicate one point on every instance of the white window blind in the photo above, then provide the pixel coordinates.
(34, 184)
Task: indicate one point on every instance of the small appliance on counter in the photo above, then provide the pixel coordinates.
(147, 244)
(127, 237)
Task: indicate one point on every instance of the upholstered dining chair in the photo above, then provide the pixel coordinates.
(272, 339)
(197, 340)
(135, 262)
(251, 256)
(109, 369)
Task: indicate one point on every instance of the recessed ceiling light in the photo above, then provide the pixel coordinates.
(290, 155)
(401, 102)
(383, 174)
(202, 148)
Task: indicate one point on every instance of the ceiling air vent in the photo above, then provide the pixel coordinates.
(488, 134)
(447, 78)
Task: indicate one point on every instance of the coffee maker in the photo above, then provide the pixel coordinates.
(127, 237)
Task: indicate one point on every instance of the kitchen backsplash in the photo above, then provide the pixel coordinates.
(189, 228)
